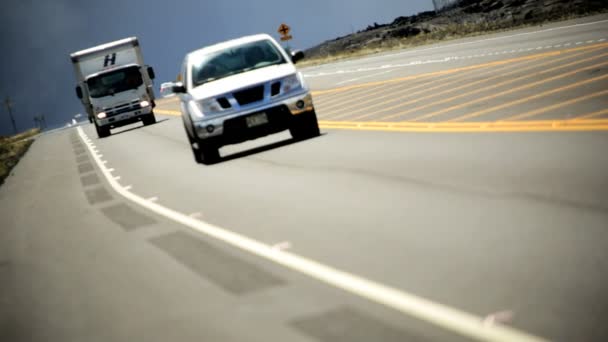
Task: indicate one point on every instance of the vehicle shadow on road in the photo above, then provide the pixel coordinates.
(138, 126)
(264, 148)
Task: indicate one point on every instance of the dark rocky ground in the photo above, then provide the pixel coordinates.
(467, 17)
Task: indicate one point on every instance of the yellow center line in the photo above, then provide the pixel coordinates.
(495, 95)
(453, 79)
(526, 99)
(372, 95)
(339, 98)
(477, 90)
(509, 126)
(591, 115)
(167, 100)
(167, 112)
(471, 127)
(555, 106)
(455, 70)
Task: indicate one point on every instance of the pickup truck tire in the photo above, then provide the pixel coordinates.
(149, 119)
(102, 132)
(204, 152)
(208, 153)
(305, 126)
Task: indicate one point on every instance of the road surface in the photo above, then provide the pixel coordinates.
(458, 192)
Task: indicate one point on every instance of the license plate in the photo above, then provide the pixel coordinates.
(256, 119)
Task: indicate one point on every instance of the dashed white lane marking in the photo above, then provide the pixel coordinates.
(440, 315)
(281, 246)
(362, 77)
(601, 40)
(499, 317)
(430, 61)
(196, 215)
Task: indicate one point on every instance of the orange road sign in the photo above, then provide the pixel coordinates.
(284, 30)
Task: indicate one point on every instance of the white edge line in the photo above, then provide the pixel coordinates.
(443, 316)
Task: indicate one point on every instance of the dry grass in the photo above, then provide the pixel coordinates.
(12, 149)
(449, 32)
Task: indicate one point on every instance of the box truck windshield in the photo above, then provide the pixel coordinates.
(113, 82)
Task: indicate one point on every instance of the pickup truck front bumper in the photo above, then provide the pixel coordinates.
(235, 127)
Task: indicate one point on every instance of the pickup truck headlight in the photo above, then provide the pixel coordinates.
(290, 83)
(211, 106)
(195, 110)
(101, 115)
(144, 103)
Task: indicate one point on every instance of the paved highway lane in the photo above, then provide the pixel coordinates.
(385, 231)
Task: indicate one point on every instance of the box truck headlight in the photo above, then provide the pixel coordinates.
(101, 115)
(144, 103)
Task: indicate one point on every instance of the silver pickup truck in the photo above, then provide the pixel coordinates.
(240, 90)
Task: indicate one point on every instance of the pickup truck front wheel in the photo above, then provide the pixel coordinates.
(149, 119)
(208, 152)
(304, 126)
(203, 152)
(102, 131)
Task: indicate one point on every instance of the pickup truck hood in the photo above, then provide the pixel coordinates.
(242, 80)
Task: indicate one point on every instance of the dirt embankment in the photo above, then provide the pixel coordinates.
(12, 149)
(465, 18)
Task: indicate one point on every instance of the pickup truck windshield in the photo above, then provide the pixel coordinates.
(114, 82)
(235, 60)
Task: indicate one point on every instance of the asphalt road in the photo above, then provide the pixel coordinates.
(382, 229)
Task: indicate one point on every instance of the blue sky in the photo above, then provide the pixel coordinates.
(36, 37)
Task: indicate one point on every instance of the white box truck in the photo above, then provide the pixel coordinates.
(114, 85)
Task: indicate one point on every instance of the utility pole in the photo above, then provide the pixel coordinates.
(8, 104)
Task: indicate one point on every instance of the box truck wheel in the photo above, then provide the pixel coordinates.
(102, 132)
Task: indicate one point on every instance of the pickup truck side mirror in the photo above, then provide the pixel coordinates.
(79, 92)
(178, 88)
(151, 73)
(296, 56)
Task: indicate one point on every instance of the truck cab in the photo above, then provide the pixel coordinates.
(114, 85)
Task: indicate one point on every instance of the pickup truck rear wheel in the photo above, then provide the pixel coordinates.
(304, 126)
(102, 131)
(149, 119)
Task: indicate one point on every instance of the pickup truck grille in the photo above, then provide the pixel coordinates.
(127, 107)
(249, 95)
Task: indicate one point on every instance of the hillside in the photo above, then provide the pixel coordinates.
(465, 18)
